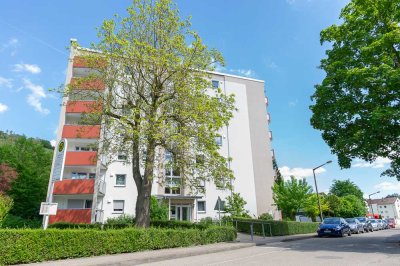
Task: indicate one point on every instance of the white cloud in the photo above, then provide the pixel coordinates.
(388, 186)
(241, 72)
(299, 172)
(3, 108)
(11, 44)
(35, 97)
(53, 142)
(5, 82)
(293, 103)
(291, 2)
(34, 69)
(379, 162)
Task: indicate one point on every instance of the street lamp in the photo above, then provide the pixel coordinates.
(369, 196)
(316, 188)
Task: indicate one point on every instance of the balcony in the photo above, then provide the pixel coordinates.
(81, 132)
(83, 107)
(80, 158)
(270, 135)
(73, 186)
(268, 118)
(266, 101)
(82, 62)
(87, 84)
(72, 216)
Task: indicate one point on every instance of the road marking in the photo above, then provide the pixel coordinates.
(247, 257)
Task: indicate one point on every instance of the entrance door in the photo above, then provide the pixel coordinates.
(181, 213)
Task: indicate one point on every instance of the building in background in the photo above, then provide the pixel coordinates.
(87, 190)
(386, 207)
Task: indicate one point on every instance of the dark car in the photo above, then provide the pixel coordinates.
(334, 226)
(368, 226)
(355, 226)
(364, 221)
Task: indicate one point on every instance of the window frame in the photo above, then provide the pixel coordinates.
(205, 206)
(118, 210)
(116, 178)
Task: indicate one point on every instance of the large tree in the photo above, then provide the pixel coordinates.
(343, 188)
(357, 105)
(159, 103)
(291, 196)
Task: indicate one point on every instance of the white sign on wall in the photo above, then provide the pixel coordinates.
(58, 168)
(47, 208)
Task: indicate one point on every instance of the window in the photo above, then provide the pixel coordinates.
(121, 156)
(215, 84)
(78, 175)
(75, 204)
(218, 140)
(92, 175)
(172, 190)
(384, 206)
(201, 206)
(120, 180)
(88, 204)
(118, 206)
(78, 148)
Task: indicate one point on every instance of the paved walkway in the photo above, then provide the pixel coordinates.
(243, 241)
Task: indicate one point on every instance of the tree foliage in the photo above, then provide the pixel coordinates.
(357, 105)
(343, 188)
(311, 207)
(30, 162)
(6, 204)
(291, 196)
(159, 98)
(235, 206)
(394, 195)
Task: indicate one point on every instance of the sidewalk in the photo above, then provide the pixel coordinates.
(243, 241)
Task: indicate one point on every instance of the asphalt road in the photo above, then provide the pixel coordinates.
(377, 248)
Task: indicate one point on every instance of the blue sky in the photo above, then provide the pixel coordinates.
(277, 41)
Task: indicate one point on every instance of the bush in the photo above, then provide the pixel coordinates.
(179, 224)
(207, 221)
(266, 216)
(278, 228)
(158, 210)
(12, 221)
(27, 245)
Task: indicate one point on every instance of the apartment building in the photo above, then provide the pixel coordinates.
(87, 190)
(386, 207)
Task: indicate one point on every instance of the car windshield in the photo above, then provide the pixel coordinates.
(373, 221)
(362, 219)
(351, 220)
(332, 221)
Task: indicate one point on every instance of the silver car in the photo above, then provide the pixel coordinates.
(375, 224)
(355, 225)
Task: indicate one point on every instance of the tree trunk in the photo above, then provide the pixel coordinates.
(143, 206)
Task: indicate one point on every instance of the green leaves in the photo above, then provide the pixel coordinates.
(357, 105)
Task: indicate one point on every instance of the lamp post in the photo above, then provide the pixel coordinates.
(369, 196)
(316, 188)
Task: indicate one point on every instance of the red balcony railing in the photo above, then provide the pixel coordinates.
(81, 132)
(82, 62)
(74, 186)
(83, 106)
(87, 84)
(80, 158)
(72, 216)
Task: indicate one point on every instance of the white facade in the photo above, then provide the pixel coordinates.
(387, 207)
(246, 140)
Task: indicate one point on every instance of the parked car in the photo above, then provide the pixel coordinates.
(380, 223)
(334, 226)
(385, 224)
(368, 226)
(375, 224)
(355, 226)
(364, 222)
(391, 223)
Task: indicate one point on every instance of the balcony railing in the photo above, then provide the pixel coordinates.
(80, 158)
(73, 187)
(83, 107)
(72, 216)
(83, 132)
(102, 187)
(82, 62)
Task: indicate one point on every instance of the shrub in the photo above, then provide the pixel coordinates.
(278, 228)
(179, 224)
(206, 221)
(6, 204)
(12, 221)
(158, 210)
(27, 245)
(266, 216)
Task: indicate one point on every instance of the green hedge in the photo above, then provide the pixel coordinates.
(30, 245)
(159, 224)
(278, 228)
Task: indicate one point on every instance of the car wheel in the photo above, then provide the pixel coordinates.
(342, 233)
(349, 233)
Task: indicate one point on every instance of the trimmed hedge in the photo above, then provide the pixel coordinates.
(30, 245)
(279, 228)
(160, 224)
